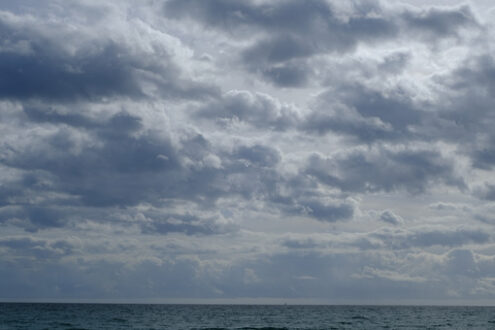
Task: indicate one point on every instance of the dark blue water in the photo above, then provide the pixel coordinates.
(113, 316)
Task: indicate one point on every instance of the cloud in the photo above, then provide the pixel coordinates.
(196, 148)
(320, 209)
(158, 222)
(464, 109)
(391, 218)
(487, 192)
(112, 174)
(394, 109)
(438, 23)
(427, 237)
(121, 164)
(257, 109)
(461, 262)
(295, 74)
(40, 249)
(364, 114)
(46, 68)
(258, 154)
(317, 19)
(280, 52)
(57, 76)
(294, 243)
(43, 68)
(383, 170)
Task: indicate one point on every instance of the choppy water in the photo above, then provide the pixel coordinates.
(113, 316)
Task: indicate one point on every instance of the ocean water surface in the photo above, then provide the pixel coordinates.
(129, 316)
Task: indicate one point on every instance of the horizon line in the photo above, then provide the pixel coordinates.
(254, 301)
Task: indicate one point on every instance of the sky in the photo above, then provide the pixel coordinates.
(300, 151)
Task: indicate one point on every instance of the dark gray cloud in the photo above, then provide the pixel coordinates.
(114, 174)
(315, 27)
(297, 195)
(395, 63)
(383, 170)
(438, 23)
(395, 108)
(293, 74)
(469, 86)
(318, 209)
(43, 216)
(188, 224)
(42, 67)
(40, 249)
(260, 155)
(229, 15)
(461, 262)
(368, 131)
(487, 192)
(279, 50)
(259, 110)
(42, 114)
(394, 238)
(50, 74)
(427, 237)
(465, 109)
(484, 157)
(355, 111)
(123, 165)
(300, 243)
(390, 217)
(315, 19)
(365, 115)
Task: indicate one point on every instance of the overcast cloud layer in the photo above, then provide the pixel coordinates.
(249, 151)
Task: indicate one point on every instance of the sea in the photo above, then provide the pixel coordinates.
(143, 316)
